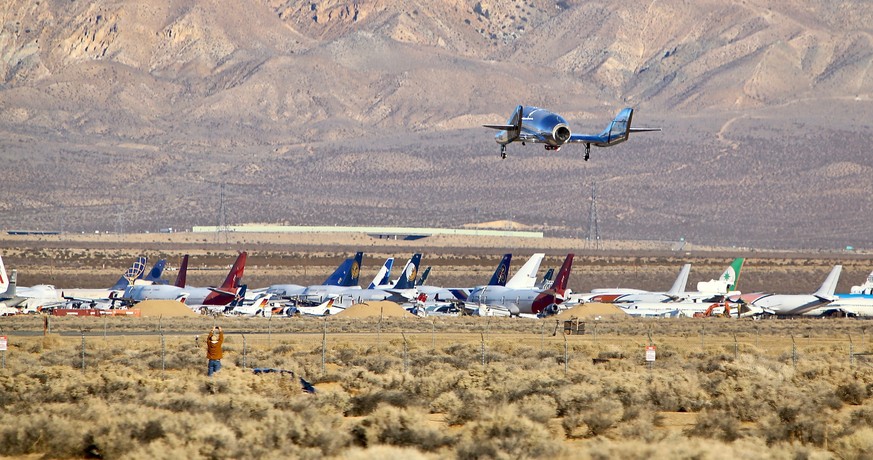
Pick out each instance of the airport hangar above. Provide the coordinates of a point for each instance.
(394, 233)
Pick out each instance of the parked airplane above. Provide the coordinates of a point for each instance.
(526, 300)
(338, 282)
(257, 308)
(619, 295)
(533, 124)
(23, 299)
(792, 304)
(857, 303)
(401, 290)
(223, 295)
(128, 277)
(342, 276)
(438, 295)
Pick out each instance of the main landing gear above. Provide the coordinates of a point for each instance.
(503, 152)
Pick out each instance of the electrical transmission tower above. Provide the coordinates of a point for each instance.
(221, 226)
(593, 224)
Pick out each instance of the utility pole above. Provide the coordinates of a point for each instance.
(593, 224)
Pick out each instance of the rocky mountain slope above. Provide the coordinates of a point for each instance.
(133, 114)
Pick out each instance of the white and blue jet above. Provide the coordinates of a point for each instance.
(533, 124)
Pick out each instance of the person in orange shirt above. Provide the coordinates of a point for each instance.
(213, 350)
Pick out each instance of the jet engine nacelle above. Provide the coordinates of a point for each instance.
(561, 134)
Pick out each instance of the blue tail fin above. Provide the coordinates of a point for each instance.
(354, 272)
(499, 277)
(546, 282)
(383, 277)
(347, 273)
(423, 278)
(337, 276)
(410, 272)
(155, 274)
(132, 273)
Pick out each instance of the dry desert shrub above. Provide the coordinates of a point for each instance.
(504, 433)
(400, 427)
(855, 446)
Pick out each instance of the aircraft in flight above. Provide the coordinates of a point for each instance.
(533, 124)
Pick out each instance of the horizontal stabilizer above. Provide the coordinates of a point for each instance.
(500, 127)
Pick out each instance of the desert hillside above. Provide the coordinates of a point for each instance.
(142, 115)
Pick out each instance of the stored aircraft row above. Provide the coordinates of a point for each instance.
(523, 294)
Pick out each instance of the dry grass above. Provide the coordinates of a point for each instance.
(430, 395)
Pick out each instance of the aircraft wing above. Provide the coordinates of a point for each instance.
(222, 291)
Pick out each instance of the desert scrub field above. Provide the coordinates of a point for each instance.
(465, 388)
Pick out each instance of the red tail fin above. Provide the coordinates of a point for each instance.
(560, 284)
(236, 273)
(182, 276)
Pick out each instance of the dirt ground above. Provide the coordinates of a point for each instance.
(91, 260)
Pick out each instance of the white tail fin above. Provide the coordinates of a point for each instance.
(4, 280)
(678, 288)
(826, 291)
(526, 277)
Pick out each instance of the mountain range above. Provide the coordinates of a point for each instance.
(134, 116)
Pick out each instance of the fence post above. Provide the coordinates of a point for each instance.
(405, 353)
(433, 334)
(163, 356)
(104, 326)
(793, 352)
(703, 338)
(83, 349)
(851, 351)
(244, 350)
(270, 332)
(566, 356)
(736, 348)
(483, 348)
(543, 337)
(324, 348)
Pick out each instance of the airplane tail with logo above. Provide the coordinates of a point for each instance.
(354, 271)
(826, 291)
(155, 274)
(732, 274)
(499, 276)
(546, 282)
(383, 277)
(182, 276)
(133, 273)
(726, 283)
(409, 273)
(337, 276)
